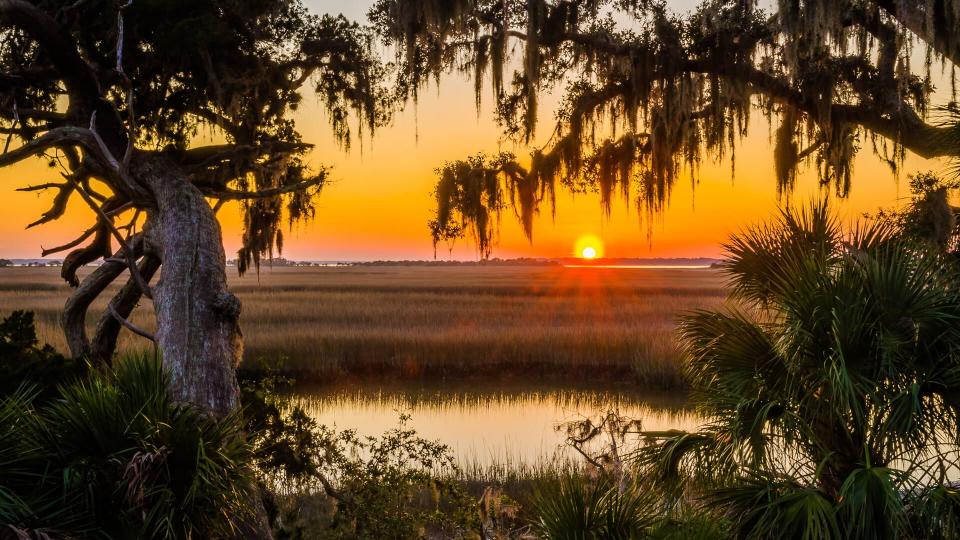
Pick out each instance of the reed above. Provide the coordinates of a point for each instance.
(504, 322)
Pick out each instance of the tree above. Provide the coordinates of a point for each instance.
(120, 97)
(647, 92)
(929, 217)
(831, 392)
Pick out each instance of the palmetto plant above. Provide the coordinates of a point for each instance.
(577, 508)
(114, 456)
(833, 389)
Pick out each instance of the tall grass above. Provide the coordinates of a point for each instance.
(322, 323)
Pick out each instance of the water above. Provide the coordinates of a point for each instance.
(489, 426)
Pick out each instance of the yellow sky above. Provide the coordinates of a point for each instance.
(380, 200)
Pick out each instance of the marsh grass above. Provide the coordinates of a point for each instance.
(543, 322)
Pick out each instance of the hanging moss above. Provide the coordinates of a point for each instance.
(648, 94)
(786, 152)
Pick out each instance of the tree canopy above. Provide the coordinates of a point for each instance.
(647, 92)
(93, 84)
(154, 111)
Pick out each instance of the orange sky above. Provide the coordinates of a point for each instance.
(380, 200)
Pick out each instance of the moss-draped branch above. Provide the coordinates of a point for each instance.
(106, 90)
(70, 90)
(648, 93)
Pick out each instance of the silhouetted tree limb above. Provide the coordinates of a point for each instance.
(119, 309)
(830, 74)
(74, 315)
(117, 96)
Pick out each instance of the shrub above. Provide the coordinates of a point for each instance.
(577, 508)
(833, 393)
(23, 361)
(113, 455)
(340, 485)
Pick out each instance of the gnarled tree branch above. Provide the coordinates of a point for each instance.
(62, 136)
(233, 195)
(74, 314)
(118, 313)
(125, 247)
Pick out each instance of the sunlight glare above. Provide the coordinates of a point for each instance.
(588, 247)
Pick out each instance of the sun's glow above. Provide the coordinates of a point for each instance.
(588, 246)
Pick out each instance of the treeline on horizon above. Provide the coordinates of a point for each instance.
(520, 261)
(558, 261)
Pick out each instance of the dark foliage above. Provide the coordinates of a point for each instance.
(831, 393)
(162, 76)
(23, 362)
(339, 485)
(649, 92)
(930, 217)
(113, 456)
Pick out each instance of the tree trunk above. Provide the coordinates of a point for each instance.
(197, 317)
(197, 329)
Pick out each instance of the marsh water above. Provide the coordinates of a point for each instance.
(489, 427)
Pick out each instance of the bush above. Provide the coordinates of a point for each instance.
(23, 361)
(112, 455)
(109, 454)
(832, 391)
(340, 485)
(577, 508)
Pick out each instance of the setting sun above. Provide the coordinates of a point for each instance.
(588, 246)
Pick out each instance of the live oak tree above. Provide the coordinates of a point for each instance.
(646, 92)
(154, 113)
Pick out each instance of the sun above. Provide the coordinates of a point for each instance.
(588, 247)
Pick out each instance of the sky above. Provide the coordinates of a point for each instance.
(380, 196)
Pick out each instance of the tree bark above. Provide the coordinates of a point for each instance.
(108, 328)
(197, 317)
(73, 319)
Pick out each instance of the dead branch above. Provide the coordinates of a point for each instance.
(125, 247)
(86, 234)
(233, 195)
(102, 146)
(131, 117)
(129, 325)
(67, 135)
(99, 247)
(42, 187)
(57, 208)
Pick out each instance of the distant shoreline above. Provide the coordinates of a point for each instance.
(569, 262)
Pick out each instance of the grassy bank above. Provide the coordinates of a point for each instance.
(321, 323)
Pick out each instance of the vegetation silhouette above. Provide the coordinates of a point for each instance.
(646, 92)
(109, 454)
(832, 392)
(827, 396)
(120, 99)
(112, 455)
